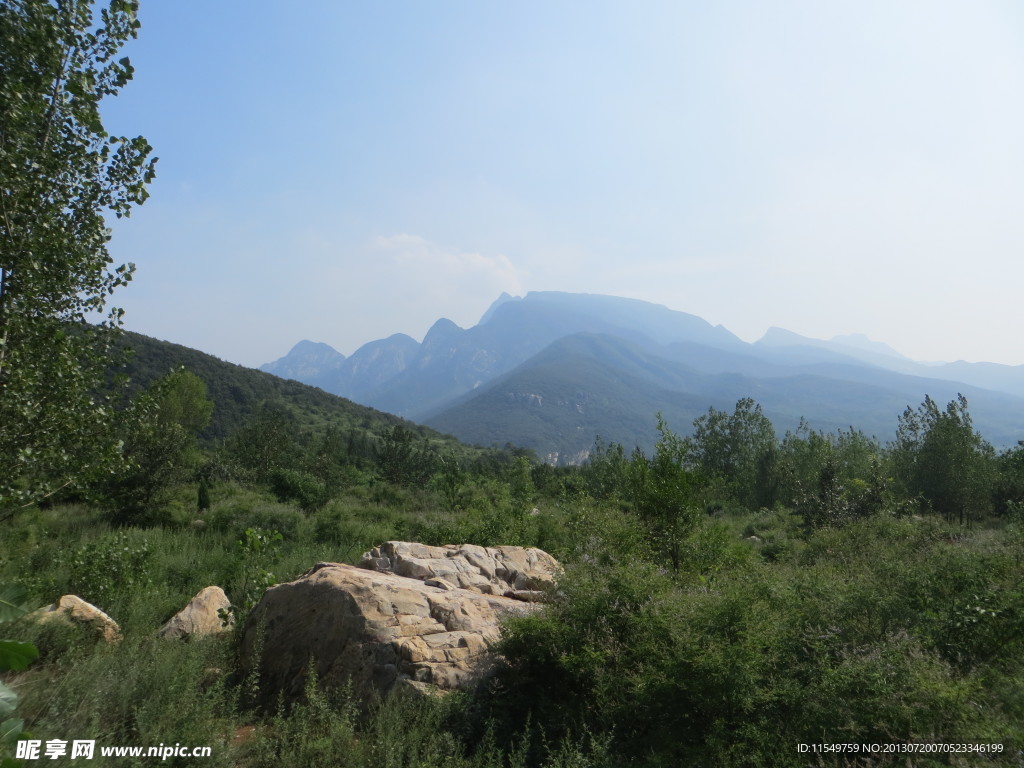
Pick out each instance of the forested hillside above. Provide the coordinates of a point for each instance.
(237, 391)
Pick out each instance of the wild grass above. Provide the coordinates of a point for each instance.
(771, 633)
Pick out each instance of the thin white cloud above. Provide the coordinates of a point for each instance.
(400, 283)
(446, 272)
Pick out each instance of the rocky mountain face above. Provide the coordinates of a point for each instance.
(414, 380)
(550, 371)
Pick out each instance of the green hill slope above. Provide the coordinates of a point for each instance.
(586, 385)
(237, 391)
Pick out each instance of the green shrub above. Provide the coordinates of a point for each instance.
(301, 487)
(14, 656)
(237, 514)
(355, 527)
(258, 551)
(883, 630)
(102, 570)
(144, 691)
(573, 666)
(777, 534)
(390, 495)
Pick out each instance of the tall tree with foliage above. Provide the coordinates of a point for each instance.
(940, 459)
(1008, 490)
(831, 477)
(607, 470)
(665, 493)
(404, 460)
(735, 448)
(160, 445)
(61, 173)
(269, 440)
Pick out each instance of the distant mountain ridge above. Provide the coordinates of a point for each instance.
(855, 345)
(551, 370)
(399, 375)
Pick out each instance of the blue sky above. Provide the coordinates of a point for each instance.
(342, 171)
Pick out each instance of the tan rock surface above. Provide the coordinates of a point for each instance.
(377, 628)
(488, 570)
(201, 617)
(73, 610)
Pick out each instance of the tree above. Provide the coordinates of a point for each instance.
(665, 493)
(402, 460)
(61, 173)
(160, 445)
(13, 656)
(269, 440)
(735, 448)
(607, 470)
(940, 459)
(520, 484)
(451, 480)
(831, 477)
(1008, 489)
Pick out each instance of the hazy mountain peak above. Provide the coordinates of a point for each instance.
(860, 341)
(306, 360)
(441, 331)
(402, 340)
(780, 337)
(601, 313)
(855, 345)
(503, 299)
(376, 362)
(306, 347)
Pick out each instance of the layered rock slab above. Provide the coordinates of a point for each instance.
(373, 629)
(503, 571)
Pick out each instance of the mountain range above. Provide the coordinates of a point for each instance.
(551, 371)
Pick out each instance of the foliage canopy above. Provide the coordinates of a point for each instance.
(942, 460)
(62, 174)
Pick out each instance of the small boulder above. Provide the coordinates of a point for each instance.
(201, 617)
(74, 611)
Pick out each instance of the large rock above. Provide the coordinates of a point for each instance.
(201, 617)
(378, 629)
(510, 571)
(74, 611)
